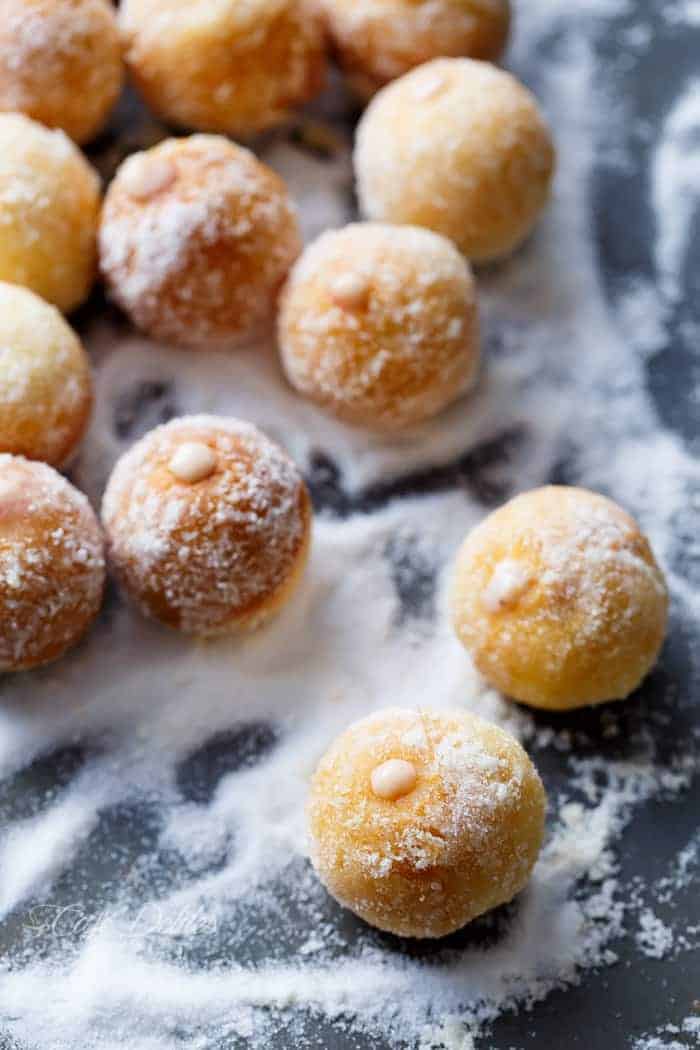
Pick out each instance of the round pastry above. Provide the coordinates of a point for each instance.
(378, 324)
(45, 380)
(60, 63)
(559, 600)
(422, 820)
(237, 68)
(379, 40)
(49, 209)
(51, 564)
(196, 239)
(460, 147)
(208, 524)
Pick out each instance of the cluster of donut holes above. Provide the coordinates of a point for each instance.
(419, 821)
(232, 68)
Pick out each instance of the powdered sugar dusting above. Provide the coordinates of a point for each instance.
(47, 49)
(45, 384)
(196, 239)
(51, 562)
(205, 557)
(379, 324)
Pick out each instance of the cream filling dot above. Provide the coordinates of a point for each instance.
(508, 582)
(146, 176)
(393, 779)
(193, 461)
(349, 290)
(430, 86)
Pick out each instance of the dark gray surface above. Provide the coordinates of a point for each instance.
(609, 1007)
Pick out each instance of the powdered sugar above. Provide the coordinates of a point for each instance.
(676, 177)
(199, 254)
(653, 937)
(379, 324)
(51, 568)
(206, 558)
(45, 386)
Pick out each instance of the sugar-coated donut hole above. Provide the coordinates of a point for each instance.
(559, 600)
(51, 564)
(460, 147)
(60, 63)
(49, 209)
(427, 858)
(230, 67)
(196, 239)
(378, 324)
(377, 41)
(45, 379)
(212, 544)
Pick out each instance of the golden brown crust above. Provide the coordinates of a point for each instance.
(559, 600)
(51, 564)
(218, 555)
(461, 148)
(45, 379)
(196, 239)
(49, 211)
(461, 842)
(60, 63)
(379, 40)
(379, 325)
(232, 68)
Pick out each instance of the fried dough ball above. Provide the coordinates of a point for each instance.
(379, 40)
(51, 564)
(60, 63)
(208, 524)
(460, 147)
(422, 820)
(196, 239)
(49, 209)
(379, 324)
(45, 380)
(559, 600)
(233, 66)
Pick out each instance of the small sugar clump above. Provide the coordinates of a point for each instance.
(379, 40)
(196, 239)
(51, 564)
(45, 379)
(49, 210)
(378, 324)
(559, 600)
(422, 820)
(60, 63)
(208, 524)
(230, 67)
(460, 147)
